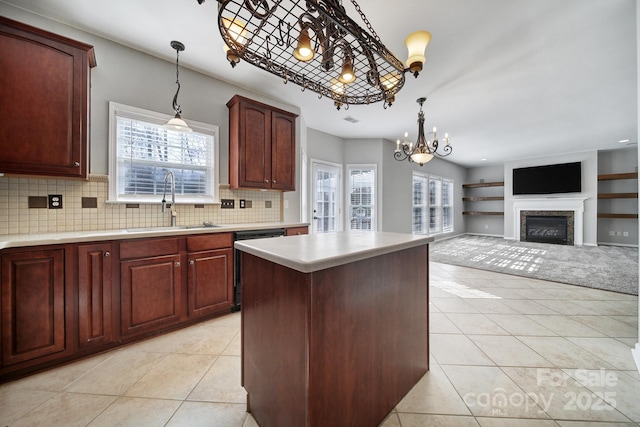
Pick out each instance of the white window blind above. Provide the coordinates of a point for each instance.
(143, 151)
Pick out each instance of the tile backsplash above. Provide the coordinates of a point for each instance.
(79, 214)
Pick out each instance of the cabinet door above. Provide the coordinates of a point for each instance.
(283, 151)
(33, 305)
(150, 294)
(210, 282)
(94, 295)
(45, 81)
(255, 146)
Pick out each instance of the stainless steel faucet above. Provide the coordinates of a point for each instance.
(174, 214)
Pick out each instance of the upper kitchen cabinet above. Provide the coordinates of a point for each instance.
(262, 146)
(44, 102)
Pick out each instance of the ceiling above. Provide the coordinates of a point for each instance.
(507, 79)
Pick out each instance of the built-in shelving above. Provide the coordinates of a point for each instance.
(610, 196)
(615, 176)
(614, 215)
(484, 184)
(483, 198)
(481, 213)
(617, 195)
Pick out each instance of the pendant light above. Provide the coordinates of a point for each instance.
(176, 123)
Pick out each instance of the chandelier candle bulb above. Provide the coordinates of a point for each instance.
(397, 146)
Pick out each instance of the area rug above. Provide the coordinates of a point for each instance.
(611, 268)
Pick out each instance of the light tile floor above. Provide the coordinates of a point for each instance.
(505, 351)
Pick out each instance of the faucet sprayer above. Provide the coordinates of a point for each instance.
(174, 214)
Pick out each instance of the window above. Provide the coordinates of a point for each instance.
(361, 196)
(142, 151)
(432, 204)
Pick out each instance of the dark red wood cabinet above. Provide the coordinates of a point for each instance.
(62, 302)
(150, 285)
(95, 309)
(296, 231)
(33, 306)
(262, 142)
(44, 102)
(210, 274)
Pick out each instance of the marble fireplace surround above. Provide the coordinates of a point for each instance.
(551, 206)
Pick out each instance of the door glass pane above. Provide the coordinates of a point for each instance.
(326, 209)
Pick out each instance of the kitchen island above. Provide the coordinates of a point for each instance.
(334, 326)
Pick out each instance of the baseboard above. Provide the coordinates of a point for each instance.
(636, 355)
(617, 244)
(485, 235)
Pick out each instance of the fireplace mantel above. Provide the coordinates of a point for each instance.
(575, 204)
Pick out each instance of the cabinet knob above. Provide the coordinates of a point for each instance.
(274, 181)
(107, 254)
(192, 262)
(76, 164)
(266, 180)
(177, 263)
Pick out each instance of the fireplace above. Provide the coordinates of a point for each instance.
(546, 229)
(555, 227)
(571, 207)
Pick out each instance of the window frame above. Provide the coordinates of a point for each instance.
(427, 206)
(374, 202)
(122, 110)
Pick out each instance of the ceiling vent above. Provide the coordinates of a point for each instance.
(350, 119)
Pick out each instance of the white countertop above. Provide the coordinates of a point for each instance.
(20, 240)
(313, 252)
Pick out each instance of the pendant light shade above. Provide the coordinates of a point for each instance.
(416, 45)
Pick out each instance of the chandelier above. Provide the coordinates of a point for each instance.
(315, 45)
(424, 150)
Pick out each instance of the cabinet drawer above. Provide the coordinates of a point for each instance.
(294, 231)
(149, 248)
(209, 241)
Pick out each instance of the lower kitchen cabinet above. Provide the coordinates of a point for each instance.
(95, 311)
(150, 294)
(210, 274)
(210, 282)
(33, 306)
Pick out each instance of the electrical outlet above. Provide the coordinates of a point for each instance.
(625, 233)
(242, 204)
(55, 201)
(227, 203)
(612, 233)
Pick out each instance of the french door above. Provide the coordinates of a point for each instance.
(326, 183)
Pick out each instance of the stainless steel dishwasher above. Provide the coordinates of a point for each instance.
(247, 235)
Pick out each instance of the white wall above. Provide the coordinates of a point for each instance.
(589, 161)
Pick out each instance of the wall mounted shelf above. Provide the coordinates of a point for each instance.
(612, 196)
(483, 198)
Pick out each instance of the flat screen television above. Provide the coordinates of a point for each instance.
(548, 179)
